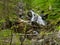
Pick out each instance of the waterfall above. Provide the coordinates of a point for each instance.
(39, 18)
(33, 15)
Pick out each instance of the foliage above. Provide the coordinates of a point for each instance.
(8, 11)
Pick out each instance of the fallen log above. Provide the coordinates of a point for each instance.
(21, 20)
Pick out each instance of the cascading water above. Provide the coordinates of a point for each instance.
(39, 19)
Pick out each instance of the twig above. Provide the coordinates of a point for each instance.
(11, 37)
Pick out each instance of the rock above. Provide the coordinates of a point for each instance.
(58, 34)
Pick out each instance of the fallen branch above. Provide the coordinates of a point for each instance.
(21, 20)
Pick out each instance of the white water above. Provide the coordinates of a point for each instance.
(39, 20)
(35, 32)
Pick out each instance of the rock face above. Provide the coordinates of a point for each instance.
(19, 26)
(58, 35)
(20, 10)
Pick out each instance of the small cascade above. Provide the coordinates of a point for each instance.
(37, 18)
